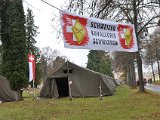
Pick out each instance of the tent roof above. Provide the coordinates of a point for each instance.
(70, 63)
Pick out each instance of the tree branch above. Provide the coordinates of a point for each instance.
(147, 23)
(107, 4)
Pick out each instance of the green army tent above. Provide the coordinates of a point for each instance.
(6, 93)
(78, 81)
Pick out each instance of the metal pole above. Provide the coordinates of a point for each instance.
(69, 84)
(33, 90)
(70, 92)
(33, 84)
(100, 91)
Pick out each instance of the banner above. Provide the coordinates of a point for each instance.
(95, 34)
(32, 67)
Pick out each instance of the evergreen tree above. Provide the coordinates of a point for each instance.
(93, 60)
(99, 61)
(14, 57)
(106, 66)
(31, 33)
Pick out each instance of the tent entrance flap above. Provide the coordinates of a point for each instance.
(62, 86)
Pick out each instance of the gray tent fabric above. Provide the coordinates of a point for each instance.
(117, 82)
(82, 82)
(6, 93)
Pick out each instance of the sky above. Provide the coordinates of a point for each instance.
(44, 15)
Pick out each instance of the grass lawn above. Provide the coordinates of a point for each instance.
(126, 104)
(157, 82)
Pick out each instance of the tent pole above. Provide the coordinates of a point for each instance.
(70, 95)
(100, 91)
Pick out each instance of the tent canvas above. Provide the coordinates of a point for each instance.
(6, 93)
(80, 81)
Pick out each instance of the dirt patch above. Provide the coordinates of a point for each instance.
(155, 116)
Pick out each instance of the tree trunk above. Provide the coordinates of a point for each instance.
(138, 57)
(20, 94)
(153, 72)
(131, 79)
(128, 77)
(140, 73)
(158, 64)
(125, 76)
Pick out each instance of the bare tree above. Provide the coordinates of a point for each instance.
(149, 57)
(57, 63)
(48, 55)
(124, 63)
(50, 61)
(152, 50)
(144, 14)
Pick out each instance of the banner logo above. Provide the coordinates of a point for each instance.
(74, 30)
(126, 36)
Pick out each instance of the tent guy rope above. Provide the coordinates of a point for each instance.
(51, 5)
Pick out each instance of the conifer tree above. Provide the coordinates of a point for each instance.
(14, 56)
(31, 33)
(99, 61)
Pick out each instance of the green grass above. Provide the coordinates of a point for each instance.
(126, 104)
(157, 82)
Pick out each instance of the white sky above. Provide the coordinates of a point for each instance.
(43, 19)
